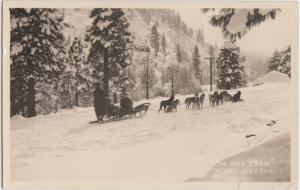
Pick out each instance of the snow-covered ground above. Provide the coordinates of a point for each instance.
(159, 147)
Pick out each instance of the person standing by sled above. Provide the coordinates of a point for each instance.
(99, 102)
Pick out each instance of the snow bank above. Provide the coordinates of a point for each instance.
(271, 77)
(275, 76)
(17, 118)
(258, 81)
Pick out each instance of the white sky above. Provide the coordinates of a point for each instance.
(262, 39)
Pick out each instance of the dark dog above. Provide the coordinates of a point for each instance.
(237, 97)
(173, 106)
(188, 102)
(165, 103)
(214, 99)
(196, 102)
(226, 96)
(220, 99)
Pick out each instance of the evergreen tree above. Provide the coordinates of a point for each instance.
(200, 37)
(281, 61)
(110, 42)
(164, 45)
(245, 18)
(196, 64)
(285, 66)
(148, 81)
(191, 33)
(155, 39)
(178, 54)
(76, 60)
(37, 51)
(231, 72)
(275, 60)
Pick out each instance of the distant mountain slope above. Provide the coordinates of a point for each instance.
(141, 21)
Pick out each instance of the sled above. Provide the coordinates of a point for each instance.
(141, 109)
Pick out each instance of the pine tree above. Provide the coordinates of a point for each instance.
(231, 72)
(253, 17)
(164, 45)
(154, 39)
(196, 64)
(110, 42)
(76, 60)
(200, 37)
(178, 54)
(281, 61)
(37, 51)
(275, 60)
(148, 78)
(285, 66)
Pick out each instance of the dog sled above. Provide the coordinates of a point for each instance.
(124, 112)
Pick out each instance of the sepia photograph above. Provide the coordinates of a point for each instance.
(151, 94)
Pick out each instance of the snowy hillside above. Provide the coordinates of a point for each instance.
(159, 147)
(141, 30)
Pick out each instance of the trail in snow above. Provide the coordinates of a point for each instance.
(159, 147)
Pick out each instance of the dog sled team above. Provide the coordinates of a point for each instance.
(104, 106)
(196, 101)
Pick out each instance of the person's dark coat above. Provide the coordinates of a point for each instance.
(107, 106)
(126, 106)
(99, 102)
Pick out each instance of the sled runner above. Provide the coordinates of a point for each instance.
(124, 114)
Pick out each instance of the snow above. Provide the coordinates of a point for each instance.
(156, 148)
(102, 25)
(264, 11)
(238, 21)
(272, 77)
(275, 76)
(258, 81)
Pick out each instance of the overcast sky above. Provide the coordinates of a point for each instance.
(262, 39)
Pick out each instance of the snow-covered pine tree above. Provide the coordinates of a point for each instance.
(178, 54)
(196, 64)
(281, 61)
(76, 58)
(37, 51)
(285, 66)
(154, 39)
(200, 37)
(149, 81)
(164, 45)
(235, 22)
(110, 44)
(191, 32)
(231, 72)
(275, 60)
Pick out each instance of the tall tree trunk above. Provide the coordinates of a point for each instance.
(106, 73)
(147, 78)
(31, 99)
(76, 86)
(22, 106)
(115, 98)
